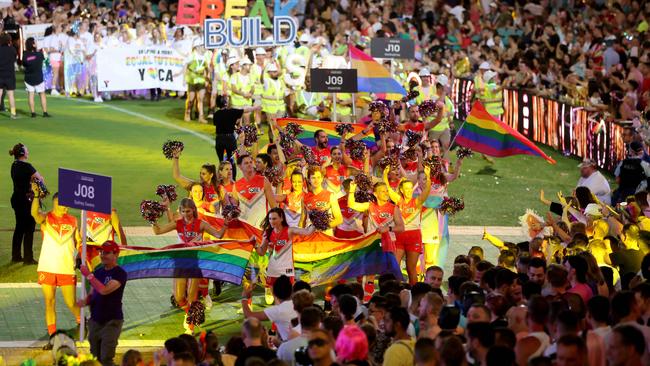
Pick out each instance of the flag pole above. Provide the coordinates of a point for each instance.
(333, 106)
(451, 143)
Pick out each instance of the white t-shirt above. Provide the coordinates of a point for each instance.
(598, 185)
(282, 315)
(287, 350)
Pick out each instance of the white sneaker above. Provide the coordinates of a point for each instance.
(208, 302)
(99, 100)
(55, 92)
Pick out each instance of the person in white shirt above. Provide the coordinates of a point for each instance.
(591, 178)
(310, 319)
(53, 45)
(281, 313)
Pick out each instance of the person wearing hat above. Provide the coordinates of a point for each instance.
(591, 178)
(241, 88)
(196, 74)
(441, 131)
(427, 89)
(491, 94)
(273, 93)
(479, 83)
(105, 301)
(631, 173)
(303, 50)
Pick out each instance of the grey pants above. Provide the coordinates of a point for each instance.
(103, 340)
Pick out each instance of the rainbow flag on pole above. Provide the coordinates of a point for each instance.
(329, 259)
(485, 134)
(310, 126)
(372, 77)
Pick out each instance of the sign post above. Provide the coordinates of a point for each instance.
(84, 191)
(333, 81)
(392, 48)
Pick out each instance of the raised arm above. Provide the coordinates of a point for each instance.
(394, 196)
(427, 187)
(337, 217)
(353, 204)
(184, 182)
(493, 239)
(300, 231)
(117, 226)
(268, 192)
(162, 229)
(38, 215)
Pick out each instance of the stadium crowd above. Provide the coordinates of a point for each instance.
(577, 292)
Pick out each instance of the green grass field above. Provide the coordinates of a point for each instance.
(123, 139)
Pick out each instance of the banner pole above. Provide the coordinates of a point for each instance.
(82, 323)
(354, 107)
(451, 143)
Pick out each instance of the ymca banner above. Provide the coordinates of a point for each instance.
(36, 31)
(140, 67)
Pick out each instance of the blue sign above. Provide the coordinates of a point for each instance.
(85, 191)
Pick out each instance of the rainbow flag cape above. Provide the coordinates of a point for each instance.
(372, 77)
(310, 126)
(224, 260)
(328, 259)
(484, 133)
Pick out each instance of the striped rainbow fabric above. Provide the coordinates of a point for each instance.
(372, 77)
(485, 134)
(311, 126)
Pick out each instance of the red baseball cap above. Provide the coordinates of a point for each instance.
(110, 246)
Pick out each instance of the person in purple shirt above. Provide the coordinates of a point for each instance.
(105, 300)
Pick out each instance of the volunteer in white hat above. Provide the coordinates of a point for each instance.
(492, 95)
(241, 87)
(275, 90)
(479, 82)
(441, 131)
(427, 89)
(257, 71)
(196, 74)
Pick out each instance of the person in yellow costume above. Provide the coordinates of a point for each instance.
(56, 264)
(196, 73)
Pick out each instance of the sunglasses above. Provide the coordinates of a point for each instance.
(318, 342)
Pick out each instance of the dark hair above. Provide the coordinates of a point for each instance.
(193, 344)
(622, 305)
(631, 336)
(176, 345)
(267, 229)
(530, 289)
(584, 196)
(573, 340)
(282, 288)
(241, 158)
(301, 285)
(30, 44)
(556, 275)
(537, 262)
(425, 351)
(449, 317)
(645, 266)
(18, 151)
(184, 356)
(483, 332)
(455, 282)
(500, 356)
(400, 316)
(212, 169)
(452, 351)
(316, 133)
(340, 290)
(504, 277)
(131, 357)
(504, 337)
(348, 306)
(310, 317)
(598, 307)
(538, 309)
(266, 159)
(483, 266)
(333, 324)
(235, 346)
(579, 264)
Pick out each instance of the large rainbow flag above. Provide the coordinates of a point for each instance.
(373, 77)
(311, 126)
(224, 260)
(484, 133)
(328, 259)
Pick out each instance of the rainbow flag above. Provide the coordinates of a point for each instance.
(224, 260)
(485, 134)
(372, 77)
(311, 126)
(328, 259)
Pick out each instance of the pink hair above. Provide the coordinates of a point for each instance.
(351, 344)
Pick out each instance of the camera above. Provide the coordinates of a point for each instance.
(302, 357)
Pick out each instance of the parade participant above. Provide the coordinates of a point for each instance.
(208, 178)
(318, 198)
(337, 172)
(352, 226)
(492, 95)
(258, 69)
(291, 201)
(426, 89)
(7, 71)
(479, 79)
(190, 229)
(274, 92)
(410, 240)
(253, 192)
(278, 236)
(105, 300)
(441, 131)
(33, 64)
(22, 173)
(322, 148)
(241, 88)
(75, 70)
(219, 71)
(225, 177)
(101, 227)
(202, 206)
(56, 264)
(53, 45)
(196, 72)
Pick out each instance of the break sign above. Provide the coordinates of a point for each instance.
(85, 191)
(392, 48)
(333, 80)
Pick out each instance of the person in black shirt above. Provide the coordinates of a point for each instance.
(7, 71)
(252, 331)
(225, 121)
(105, 300)
(33, 64)
(22, 174)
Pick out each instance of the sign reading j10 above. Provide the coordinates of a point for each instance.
(333, 80)
(392, 48)
(85, 191)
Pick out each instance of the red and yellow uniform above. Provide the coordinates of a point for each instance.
(252, 201)
(352, 226)
(189, 231)
(210, 193)
(292, 206)
(322, 155)
(281, 257)
(57, 259)
(334, 177)
(411, 238)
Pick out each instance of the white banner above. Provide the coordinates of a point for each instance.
(140, 67)
(37, 31)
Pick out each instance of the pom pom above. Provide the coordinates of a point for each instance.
(151, 210)
(410, 154)
(309, 156)
(411, 95)
(363, 182)
(170, 146)
(413, 84)
(42, 188)
(435, 165)
(286, 142)
(320, 219)
(250, 134)
(451, 205)
(167, 190)
(342, 129)
(428, 108)
(196, 313)
(363, 196)
(464, 152)
(389, 160)
(385, 126)
(379, 106)
(413, 138)
(293, 129)
(274, 175)
(230, 212)
(357, 149)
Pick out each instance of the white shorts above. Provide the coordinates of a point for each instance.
(40, 88)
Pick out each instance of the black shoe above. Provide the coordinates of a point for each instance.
(46, 115)
(30, 262)
(33, 115)
(16, 260)
(216, 290)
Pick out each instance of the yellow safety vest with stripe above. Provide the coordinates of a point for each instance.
(304, 52)
(196, 68)
(306, 100)
(256, 73)
(244, 84)
(273, 95)
(281, 54)
(492, 99)
(447, 116)
(425, 93)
